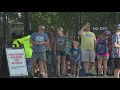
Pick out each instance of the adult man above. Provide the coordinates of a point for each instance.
(24, 42)
(40, 40)
(28, 51)
(16, 39)
(88, 40)
(116, 51)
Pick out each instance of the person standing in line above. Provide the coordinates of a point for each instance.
(28, 51)
(116, 51)
(88, 44)
(51, 55)
(61, 50)
(68, 55)
(110, 70)
(102, 51)
(40, 40)
(76, 59)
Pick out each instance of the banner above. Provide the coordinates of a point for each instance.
(16, 62)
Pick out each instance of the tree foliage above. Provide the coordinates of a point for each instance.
(68, 20)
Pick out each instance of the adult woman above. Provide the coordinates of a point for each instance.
(102, 52)
(51, 55)
(61, 49)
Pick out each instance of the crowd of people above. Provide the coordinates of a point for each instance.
(57, 54)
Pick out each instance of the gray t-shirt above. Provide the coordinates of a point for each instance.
(43, 37)
(60, 43)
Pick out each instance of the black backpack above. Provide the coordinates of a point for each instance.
(20, 45)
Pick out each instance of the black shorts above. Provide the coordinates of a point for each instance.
(60, 53)
(117, 63)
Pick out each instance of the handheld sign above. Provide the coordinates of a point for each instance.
(16, 62)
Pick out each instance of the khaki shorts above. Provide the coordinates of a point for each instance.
(77, 65)
(88, 56)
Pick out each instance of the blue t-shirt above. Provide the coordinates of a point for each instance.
(76, 52)
(37, 37)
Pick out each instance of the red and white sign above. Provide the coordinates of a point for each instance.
(16, 62)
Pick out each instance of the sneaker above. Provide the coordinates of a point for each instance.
(77, 77)
(46, 75)
(43, 75)
(36, 74)
(40, 76)
(73, 75)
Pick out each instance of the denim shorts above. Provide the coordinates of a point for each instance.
(60, 53)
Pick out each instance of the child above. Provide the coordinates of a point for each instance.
(76, 59)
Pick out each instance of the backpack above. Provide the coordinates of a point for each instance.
(102, 47)
(20, 45)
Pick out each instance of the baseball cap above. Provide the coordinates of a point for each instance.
(107, 33)
(118, 27)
